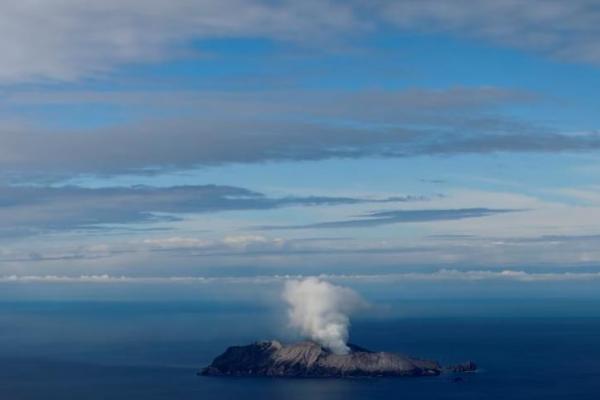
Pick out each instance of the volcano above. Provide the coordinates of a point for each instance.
(310, 360)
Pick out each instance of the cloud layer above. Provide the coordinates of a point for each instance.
(562, 29)
(399, 216)
(67, 40)
(255, 93)
(258, 128)
(25, 210)
(440, 275)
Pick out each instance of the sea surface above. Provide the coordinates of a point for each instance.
(112, 350)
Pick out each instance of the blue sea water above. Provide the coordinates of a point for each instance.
(100, 350)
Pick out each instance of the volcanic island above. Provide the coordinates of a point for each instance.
(309, 359)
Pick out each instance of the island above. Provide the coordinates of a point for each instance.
(310, 360)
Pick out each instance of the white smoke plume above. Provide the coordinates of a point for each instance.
(321, 311)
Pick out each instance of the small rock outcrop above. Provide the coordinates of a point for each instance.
(309, 359)
(468, 366)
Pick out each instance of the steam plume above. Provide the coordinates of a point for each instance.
(321, 311)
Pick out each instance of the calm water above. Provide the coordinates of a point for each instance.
(152, 351)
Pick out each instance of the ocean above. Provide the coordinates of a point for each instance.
(150, 350)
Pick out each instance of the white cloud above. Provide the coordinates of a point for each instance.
(178, 242)
(440, 275)
(71, 39)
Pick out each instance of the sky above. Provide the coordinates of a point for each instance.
(385, 141)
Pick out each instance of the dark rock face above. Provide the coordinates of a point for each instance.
(468, 366)
(308, 359)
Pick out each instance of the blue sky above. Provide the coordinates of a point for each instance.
(244, 138)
